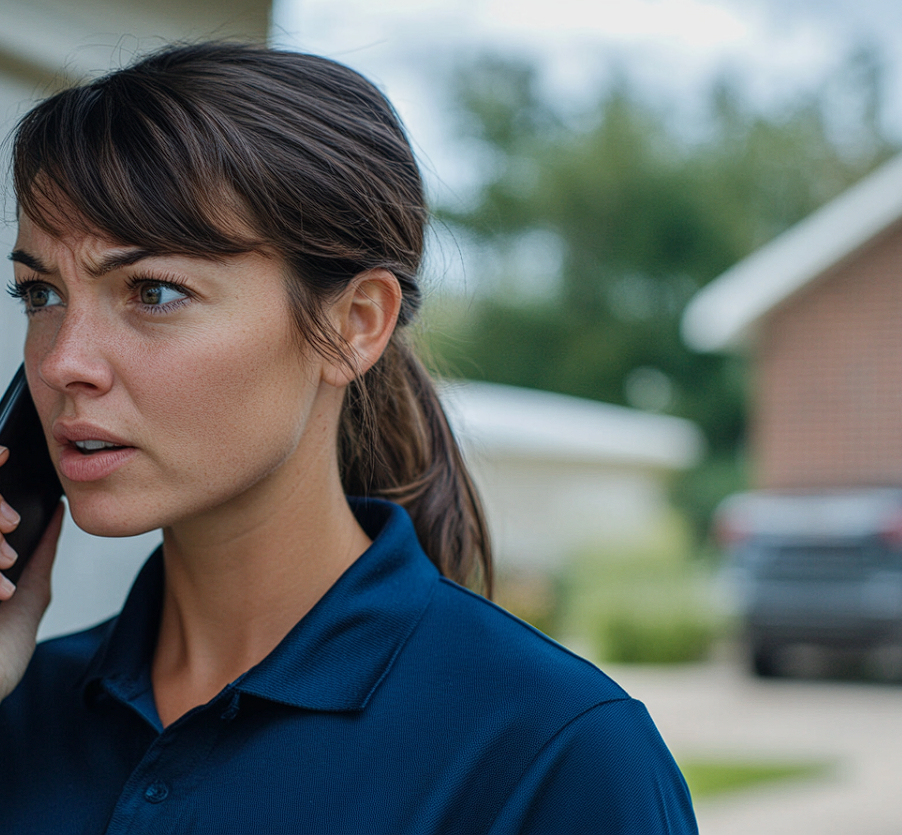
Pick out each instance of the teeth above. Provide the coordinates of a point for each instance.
(91, 446)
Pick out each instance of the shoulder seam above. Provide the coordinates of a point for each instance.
(556, 734)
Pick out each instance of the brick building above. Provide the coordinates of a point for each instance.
(818, 311)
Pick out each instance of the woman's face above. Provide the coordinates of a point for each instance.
(168, 386)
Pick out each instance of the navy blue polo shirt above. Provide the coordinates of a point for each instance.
(401, 703)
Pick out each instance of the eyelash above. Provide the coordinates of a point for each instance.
(21, 290)
(137, 282)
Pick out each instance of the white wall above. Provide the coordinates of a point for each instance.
(542, 511)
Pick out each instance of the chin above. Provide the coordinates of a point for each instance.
(100, 517)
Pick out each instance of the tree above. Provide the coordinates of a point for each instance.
(632, 217)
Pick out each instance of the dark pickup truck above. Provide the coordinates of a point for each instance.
(815, 569)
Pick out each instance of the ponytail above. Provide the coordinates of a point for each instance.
(395, 443)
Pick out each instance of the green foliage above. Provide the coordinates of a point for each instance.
(644, 604)
(672, 637)
(698, 491)
(636, 215)
(707, 778)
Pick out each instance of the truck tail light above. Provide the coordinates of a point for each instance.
(891, 532)
(729, 533)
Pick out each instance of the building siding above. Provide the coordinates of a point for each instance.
(827, 391)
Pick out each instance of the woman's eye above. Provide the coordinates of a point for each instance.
(156, 294)
(42, 297)
(35, 296)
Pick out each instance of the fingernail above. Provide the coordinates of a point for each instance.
(9, 514)
(7, 586)
(9, 552)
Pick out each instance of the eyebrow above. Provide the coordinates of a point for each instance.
(106, 265)
(20, 256)
(122, 259)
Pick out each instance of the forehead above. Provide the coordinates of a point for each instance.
(220, 227)
(43, 251)
(93, 255)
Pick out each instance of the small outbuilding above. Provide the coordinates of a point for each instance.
(560, 473)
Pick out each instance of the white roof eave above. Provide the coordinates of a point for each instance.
(510, 421)
(723, 314)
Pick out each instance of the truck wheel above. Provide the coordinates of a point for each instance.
(763, 661)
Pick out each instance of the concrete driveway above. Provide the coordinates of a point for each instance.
(717, 710)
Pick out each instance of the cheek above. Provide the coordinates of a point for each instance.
(226, 405)
(46, 400)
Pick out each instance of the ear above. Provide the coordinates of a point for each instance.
(365, 315)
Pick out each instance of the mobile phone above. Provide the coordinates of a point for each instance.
(28, 480)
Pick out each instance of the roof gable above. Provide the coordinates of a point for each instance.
(723, 315)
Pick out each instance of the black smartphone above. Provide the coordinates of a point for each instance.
(28, 480)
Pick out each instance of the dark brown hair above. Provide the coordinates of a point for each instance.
(217, 148)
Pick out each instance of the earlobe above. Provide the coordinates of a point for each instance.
(365, 315)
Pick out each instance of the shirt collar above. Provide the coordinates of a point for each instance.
(334, 658)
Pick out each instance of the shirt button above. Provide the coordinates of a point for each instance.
(156, 792)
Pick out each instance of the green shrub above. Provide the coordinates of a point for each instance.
(649, 603)
(678, 637)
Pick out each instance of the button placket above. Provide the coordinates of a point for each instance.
(168, 773)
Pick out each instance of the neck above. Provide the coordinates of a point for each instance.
(239, 578)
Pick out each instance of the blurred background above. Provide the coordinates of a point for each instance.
(664, 294)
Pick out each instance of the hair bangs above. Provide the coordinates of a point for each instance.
(132, 166)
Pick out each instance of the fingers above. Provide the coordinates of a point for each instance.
(21, 614)
(8, 558)
(8, 521)
(32, 594)
(7, 554)
(42, 557)
(7, 588)
(9, 518)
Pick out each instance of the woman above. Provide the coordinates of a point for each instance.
(218, 252)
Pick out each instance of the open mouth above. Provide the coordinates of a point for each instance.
(90, 447)
(84, 459)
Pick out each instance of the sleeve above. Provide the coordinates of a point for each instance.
(606, 772)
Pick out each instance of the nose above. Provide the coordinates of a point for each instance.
(75, 359)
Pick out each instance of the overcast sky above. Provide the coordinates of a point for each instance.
(672, 48)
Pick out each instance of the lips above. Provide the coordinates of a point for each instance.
(92, 446)
(65, 432)
(88, 452)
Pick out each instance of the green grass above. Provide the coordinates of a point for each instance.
(707, 778)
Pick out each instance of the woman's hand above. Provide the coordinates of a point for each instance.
(22, 606)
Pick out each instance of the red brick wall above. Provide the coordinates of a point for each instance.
(827, 399)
